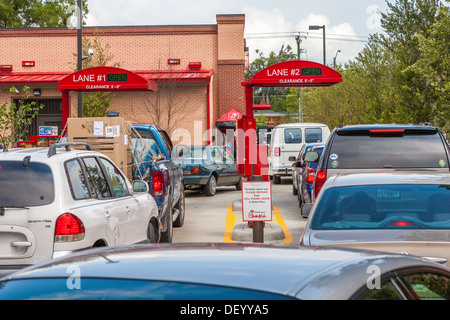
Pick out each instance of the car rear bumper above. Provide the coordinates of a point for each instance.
(286, 171)
(195, 180)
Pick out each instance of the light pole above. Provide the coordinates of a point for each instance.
(318, 28)
(334, 59)
(80, 52)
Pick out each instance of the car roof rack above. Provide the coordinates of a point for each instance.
(66, 145)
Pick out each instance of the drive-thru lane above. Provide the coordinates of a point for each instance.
(212, 219)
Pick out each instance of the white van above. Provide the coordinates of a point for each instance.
(287, 140)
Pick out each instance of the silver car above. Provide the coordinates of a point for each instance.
(404, 212)
(229, 271)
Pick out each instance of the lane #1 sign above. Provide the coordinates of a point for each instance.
(256, 201)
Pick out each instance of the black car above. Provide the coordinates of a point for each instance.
(381, 148)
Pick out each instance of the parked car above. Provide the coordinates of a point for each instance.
(153, 161)
(208, 167)
(229, 271)
(287, 140)
(304, 172)
(380, 148)
(55, 201)
(405, 212)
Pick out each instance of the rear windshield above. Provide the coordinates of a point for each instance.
(402, 151)
(25, 186)
(384, 207)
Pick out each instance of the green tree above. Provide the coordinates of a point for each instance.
(433, 67)
(276, 97)
(15, 119)
(33, 13)
(96, 104)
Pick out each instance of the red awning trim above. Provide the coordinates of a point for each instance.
(16, 78)
(30, 78)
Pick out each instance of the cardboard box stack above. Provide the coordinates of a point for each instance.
(108, 135)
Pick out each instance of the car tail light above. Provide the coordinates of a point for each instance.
(195, 170)
(321, 177)
(158, 183)
(311, 176)
(387, 132)
(277, 152)
(401, 224)
(69, 228)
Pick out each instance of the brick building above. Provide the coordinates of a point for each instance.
(199, 67)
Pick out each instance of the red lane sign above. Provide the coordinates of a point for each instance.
(295, 73)
(105, 79)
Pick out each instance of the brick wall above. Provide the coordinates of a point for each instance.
(218, 47)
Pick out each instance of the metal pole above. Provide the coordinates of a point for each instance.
(80, 52)
(324, 58)
(258, 232)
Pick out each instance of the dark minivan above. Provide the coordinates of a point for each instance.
(381, 148)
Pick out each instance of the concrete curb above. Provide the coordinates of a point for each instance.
(243, 233)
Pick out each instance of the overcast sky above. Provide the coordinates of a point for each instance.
(268, 24)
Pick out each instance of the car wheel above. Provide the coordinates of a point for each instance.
(211, 187)
(276, 179)
(152, 233)
(239, 184)
(300, 199)
(181, 210)
(294, 190)
(167, 235)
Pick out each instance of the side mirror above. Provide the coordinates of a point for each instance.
(311, 156)
(306, 208)
(140, 186)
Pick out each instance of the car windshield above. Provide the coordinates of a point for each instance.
(25, 185)
(195, 155)
(383, 207)
(409, 150)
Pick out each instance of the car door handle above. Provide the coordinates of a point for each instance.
(107, 215)
(128, 210)
(18, 244)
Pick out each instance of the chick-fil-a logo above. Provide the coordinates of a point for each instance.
(253, 215)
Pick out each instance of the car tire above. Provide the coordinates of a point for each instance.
(239, 184)
(276, 179)
(181, 209)
(167, 235)
(211, 187)
(300, 199)
(152, 233)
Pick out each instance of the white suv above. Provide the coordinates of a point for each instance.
(55, 201)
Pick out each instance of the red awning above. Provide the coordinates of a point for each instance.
(232, 115)
(18, 78)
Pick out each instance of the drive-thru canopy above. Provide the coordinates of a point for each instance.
(294, 73)
(109, 79)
